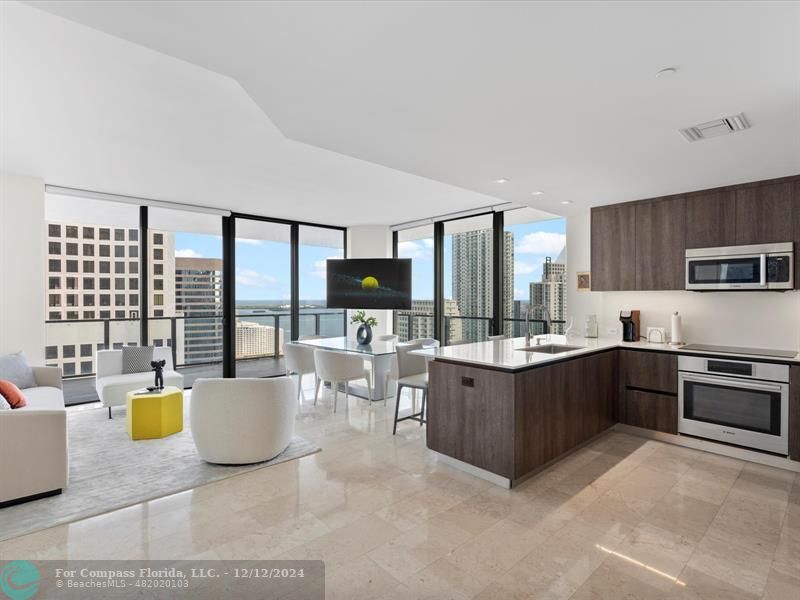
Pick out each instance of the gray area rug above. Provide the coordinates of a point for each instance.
(109, 471)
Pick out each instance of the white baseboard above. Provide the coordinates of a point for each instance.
(713, 447)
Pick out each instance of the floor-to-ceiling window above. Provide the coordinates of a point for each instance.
(185, 289)
(417, 244)
(468, 279)
(263, 296)
(92, 286)
(316, 246)
(535, 270)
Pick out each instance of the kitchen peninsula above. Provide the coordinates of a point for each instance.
(504, 410)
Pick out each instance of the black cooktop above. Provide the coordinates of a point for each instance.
(737, 350)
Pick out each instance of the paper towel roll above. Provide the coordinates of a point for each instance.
(676, 334)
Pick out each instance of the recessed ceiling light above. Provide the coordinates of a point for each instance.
(566, 202)
(537, 193)
(501, 180)
(668, 72)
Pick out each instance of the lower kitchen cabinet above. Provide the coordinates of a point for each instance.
(650, 410)
(513, 423)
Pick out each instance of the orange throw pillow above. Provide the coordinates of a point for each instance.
(12, 394)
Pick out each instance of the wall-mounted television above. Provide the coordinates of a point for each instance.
(377, 283)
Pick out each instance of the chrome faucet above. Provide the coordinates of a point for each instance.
(548, 322)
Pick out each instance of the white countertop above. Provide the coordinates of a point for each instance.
(508, 354)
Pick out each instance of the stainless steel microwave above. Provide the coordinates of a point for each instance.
(756, 267)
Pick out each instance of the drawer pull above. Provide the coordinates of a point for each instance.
(468, 382)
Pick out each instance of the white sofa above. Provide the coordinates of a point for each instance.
(33, 442)
(113, 385)
(242, 421)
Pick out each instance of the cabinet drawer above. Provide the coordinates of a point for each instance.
(654, 371)
(658, 412)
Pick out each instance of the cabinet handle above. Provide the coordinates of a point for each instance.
(468, 382)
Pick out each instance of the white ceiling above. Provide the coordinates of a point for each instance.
(559, 97)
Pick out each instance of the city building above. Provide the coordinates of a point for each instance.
(93, 285)
(472, 279)
(255, 340)
(551, 291)
(418, 322)
(198, 299)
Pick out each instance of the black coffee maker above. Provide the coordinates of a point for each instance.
(630, 325)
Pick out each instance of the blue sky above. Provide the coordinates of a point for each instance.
(262, 271)
(532, 243)
(262, 267)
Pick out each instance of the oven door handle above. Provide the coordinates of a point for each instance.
(763, 270)
(742, 383)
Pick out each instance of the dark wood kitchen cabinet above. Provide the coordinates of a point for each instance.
(513, 423)
(765, 213)
(660, 244)
(613, 247)
(649, 410)
(710, 219)
(656, 375)
(641, 245)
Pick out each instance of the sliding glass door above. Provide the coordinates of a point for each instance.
(316, 246)
(417, 244)
(536, 274)
(185, 289)
(263, 296)
(468, 279)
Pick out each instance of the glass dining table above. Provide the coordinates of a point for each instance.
(379, 353)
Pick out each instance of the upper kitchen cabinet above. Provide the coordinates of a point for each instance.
(710, 219)
(660, 244)
(764, 213)
(613, 247)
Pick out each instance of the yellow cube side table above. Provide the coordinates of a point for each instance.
(155, 414)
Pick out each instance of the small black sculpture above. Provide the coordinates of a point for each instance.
(158, 367)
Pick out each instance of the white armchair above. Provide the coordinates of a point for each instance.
(33, 439)
(242, 421)
(113, 385)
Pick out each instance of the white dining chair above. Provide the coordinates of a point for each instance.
(412, 372)
(391, 373)
(339, 367)
(299, 361)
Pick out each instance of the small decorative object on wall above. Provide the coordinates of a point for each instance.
(158, 367)
(364, 333)
(584, 281)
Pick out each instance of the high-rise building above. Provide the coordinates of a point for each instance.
(255, 340)
(410, 327)
(472, 278)
(93, 276)
(198, 296)
(551, 290)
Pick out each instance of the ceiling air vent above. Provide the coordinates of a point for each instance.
(715, 128)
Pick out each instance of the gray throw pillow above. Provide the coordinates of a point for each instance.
(137, 359)
(15, 368)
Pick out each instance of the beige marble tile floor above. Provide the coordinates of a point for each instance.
(623, 517)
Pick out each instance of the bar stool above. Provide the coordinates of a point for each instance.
(412, 372)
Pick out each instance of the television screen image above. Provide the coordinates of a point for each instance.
(377, 283)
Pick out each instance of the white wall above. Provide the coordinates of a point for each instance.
(22, 285)
(755, 319)
(371, 241)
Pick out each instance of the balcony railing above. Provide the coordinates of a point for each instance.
(478, 328)
(84, 337)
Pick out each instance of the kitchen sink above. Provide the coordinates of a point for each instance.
(550, 348)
